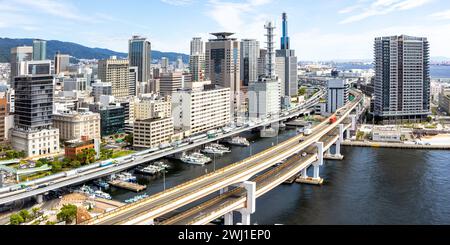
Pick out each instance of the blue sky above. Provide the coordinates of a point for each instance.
(319, 29)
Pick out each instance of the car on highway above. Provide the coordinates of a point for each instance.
(304, 154)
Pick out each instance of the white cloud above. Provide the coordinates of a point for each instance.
(444, 15)
(382, 7)
(178, 2)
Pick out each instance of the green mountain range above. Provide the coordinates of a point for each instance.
(77, 51)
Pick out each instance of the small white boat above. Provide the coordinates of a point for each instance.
(239, 141)
(101, 194)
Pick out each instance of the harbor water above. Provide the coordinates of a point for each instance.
(370, 186)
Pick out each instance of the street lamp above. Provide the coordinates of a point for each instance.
(164, 179)
(214, 162)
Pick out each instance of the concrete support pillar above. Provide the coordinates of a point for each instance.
(228, 219)
(347, 134)
(319, 162)
(40, 198)
(305, 173)
(338, 148)
(353, 117)
(250, 207)
(341, 132)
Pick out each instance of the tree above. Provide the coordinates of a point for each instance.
(302, 91)
(16, 219)
(75, 164)
(68, 213)
(25, 214)
(129, 139)
(35, 212)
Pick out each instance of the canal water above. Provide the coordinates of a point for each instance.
(370, 186)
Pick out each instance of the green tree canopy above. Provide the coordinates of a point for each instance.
(68, 213)
(16, 219)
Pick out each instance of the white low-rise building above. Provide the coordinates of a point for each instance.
(73, 125)
(386, 134)
(151, 133)
(201, 110)
(37, 142)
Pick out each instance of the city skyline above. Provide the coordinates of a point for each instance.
(318, 31)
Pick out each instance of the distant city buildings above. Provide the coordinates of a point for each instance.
(197, 59)
(18, 55)
(170, 82)
(62, 62)
(402, 79)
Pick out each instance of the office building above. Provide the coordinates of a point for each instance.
(337, 94)
(153, 106)
(33, 132)
(170, 82)
(112, 118)
(444, 100)
(134, 73)
(116, 72)
(62, 62)
(249, 61)
(19, 54)
(222, 59)
(35, 67)
(201, 110)
(152, 132)
(39, 49)
(99, 89)
(262, 62)
(3, 115)
(402, 79)
(139, 55)
(164, 65)
(74, 125)
(74, 84)
(197, 67)
(286, 64)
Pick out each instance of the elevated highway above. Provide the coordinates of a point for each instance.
(147, 210)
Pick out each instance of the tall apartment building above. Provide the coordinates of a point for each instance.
(222, 58)
(197, 46)
(444, 100)
(139, 55)
(74, 125)
(153, 107)
(286, 64)
(19, 54)
(201, 110)
(39, 49)
(116, 72)
(62, 62)
(249, 61)
(170, 82)
(402, 79)
(197, 67)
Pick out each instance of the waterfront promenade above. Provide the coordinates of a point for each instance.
(394, 145)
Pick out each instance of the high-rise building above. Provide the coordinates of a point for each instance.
(264, 94)
(75, 84)
(19, 54)
(39, 49)
(35, 67)
(116, 72)
(139, 55)
(402, 79)
(33, 116)
(197, 46)
(197, 67)
(3, 114)
(164, 65)
(249, 61)
(112, 118)
(153, 107)
(170, 82)
(201, 110)
(134, 74)
(262, 62)
(286, 64)
(62, 62)
(222, 59)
